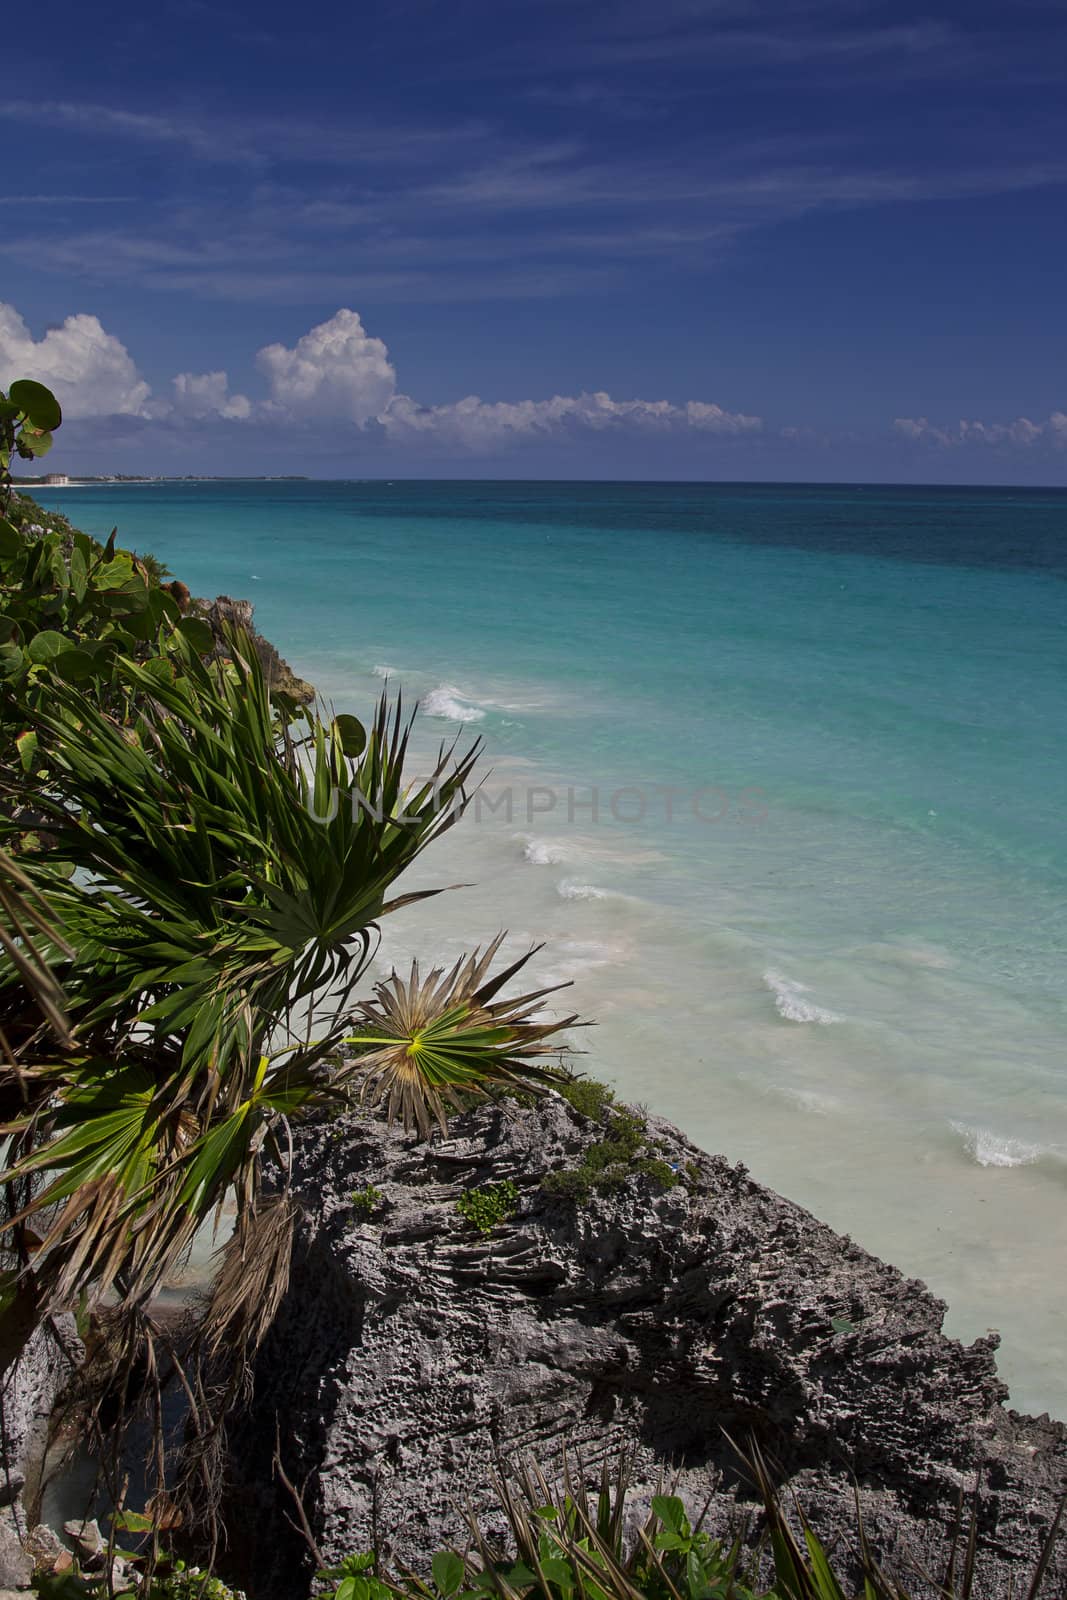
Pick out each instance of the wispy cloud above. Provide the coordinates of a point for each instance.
(67, 200)
(252, 141)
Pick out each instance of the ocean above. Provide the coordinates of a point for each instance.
(777, 774)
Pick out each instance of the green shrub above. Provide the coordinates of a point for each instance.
(365, 1202)
(588, 1097)
(624, 1152)
(487, 1207)
(179, 1583)
(565, 1543)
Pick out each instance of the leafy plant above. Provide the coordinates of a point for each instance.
(178, 1582)
(568, 1545)
(29, 415)
(611, 1161)
(354, 1579)
(213, 907)
(425, 1044)
(365, 1202)
(486, 1208)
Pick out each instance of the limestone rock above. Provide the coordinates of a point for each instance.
(16, 1567)
(409, 1350)
(239, 613)
(28, 1396)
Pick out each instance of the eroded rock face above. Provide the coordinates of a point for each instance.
(28, 1396)
(30, 1390)
(409, 1350)
(239, 613)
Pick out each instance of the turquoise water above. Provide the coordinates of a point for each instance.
(820, 915)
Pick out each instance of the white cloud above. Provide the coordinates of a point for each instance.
(713, 419)
(91, 372)
(207, 394)
(1022, 432)
(335, 373)
(479, 424)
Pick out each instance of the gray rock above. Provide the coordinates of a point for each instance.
(45, 1546)
(86, 1541)
(16, 1567)
(12, 1483)
(28, 1396)
(223, 612)
(409, 1350)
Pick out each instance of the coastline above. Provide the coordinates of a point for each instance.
(934, 939)
(670, 1321)
(776, 1327)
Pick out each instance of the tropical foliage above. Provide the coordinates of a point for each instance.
(565, 1544)
(29, 415)
(217, 862)
(427, 1043)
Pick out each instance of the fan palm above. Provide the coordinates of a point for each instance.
(219, 884)
(424, 1044)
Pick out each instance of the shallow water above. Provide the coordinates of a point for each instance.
(819, 912)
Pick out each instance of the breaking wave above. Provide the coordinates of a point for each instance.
(791, 1002)
(447, 702)
(569, 890)
(544, 852)
(989, 1149)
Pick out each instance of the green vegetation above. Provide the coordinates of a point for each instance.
(365, 1202)
(566, 1545)
(487, 1207)
(29, 415)
(426, 1043)
(193, 881)
(180, 1583)
(622, 1153)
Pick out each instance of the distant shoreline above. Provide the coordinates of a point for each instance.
(23, 484)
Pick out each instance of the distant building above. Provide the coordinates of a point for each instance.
(55, 480)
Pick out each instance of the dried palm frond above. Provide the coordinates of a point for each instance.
(252, 1278)
(424, 1044)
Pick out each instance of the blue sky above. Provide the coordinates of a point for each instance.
(697, 238)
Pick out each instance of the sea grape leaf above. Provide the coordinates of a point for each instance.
(37, 403)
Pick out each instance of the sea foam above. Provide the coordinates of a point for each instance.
(448, 702)
(791, 1003)
(989, 1149)
(543, 852)
(569, 890)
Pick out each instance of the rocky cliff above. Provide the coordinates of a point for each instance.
(224, 612)
(673, 1319)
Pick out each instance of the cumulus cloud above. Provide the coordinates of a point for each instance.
(337, 372)
(1022, 432)
(91, 372)
(336, 375)
(207, 394)
(480, 424)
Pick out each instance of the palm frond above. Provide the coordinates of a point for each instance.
(218, 881)
(424, 1044)
(28, 937)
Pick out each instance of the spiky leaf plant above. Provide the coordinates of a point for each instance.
(219, 883)
(424, 1044)
(565, 1543)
